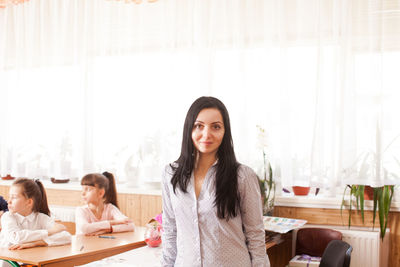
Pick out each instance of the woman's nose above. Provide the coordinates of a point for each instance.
(206, 132)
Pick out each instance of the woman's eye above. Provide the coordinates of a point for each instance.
(217, 127)
(198, 126)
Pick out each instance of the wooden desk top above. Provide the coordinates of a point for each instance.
(94, 248)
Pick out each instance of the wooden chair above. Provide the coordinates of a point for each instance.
(69, 225)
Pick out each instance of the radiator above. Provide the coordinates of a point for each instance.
(63, 213)
(368, 249)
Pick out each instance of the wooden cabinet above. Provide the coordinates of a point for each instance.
(139, 207)
(280, 254)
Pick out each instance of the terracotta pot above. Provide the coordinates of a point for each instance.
(368, 193)
(301, 190)
(8, 177)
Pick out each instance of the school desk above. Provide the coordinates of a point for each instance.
(83, 249)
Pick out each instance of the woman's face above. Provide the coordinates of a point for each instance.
(208, 131)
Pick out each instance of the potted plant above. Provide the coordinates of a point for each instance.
(372, 165)
(382, 200)
(267, 188)
(267, 183)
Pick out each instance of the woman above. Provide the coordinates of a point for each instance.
(212, 214)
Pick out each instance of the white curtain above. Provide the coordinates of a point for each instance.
(93, 85)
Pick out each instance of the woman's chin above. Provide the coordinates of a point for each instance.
(208, 151)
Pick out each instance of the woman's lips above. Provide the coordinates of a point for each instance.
(206, 143)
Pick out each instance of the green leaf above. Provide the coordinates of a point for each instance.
(343, 204)
(387, 199)
(376, 194)
(350, 207)
(361, 195)
(381, 209)
(357, 196)
(390, 203)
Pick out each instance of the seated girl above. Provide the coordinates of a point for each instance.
(100, 215)
(27, 223)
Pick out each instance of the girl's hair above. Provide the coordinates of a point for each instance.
(104, 181)
(226, 182)
(34, 189)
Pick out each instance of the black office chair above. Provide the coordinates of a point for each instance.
(336, 254)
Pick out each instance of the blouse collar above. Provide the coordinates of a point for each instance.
(20, 218)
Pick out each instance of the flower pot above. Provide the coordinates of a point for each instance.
(368, 193)
(301, 190)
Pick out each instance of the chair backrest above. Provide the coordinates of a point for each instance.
(69, 225)
(313, 241)
(336, 254)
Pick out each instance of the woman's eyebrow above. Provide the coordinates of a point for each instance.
(215, 122)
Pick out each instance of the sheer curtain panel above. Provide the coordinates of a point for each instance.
(105, 85)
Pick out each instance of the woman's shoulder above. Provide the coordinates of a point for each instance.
(169, 170)
(171, 166)
(245, 173)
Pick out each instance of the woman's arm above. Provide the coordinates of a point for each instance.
(169, 224)
(83, 226)
(252, 218)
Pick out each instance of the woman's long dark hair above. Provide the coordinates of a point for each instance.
(34, 189)
(104, 181)
(226, 182)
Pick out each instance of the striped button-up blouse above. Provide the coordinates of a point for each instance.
(195, 236)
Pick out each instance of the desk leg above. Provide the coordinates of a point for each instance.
(281, 254)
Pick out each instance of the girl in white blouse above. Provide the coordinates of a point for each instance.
(212, 214)
(27, 223)
(101, 214)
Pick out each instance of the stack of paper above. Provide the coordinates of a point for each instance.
(282, 225)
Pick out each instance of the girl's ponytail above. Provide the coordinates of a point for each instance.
(42, 206)
(111, 193)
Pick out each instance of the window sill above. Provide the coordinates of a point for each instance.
(322, 202)
(76, 186)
